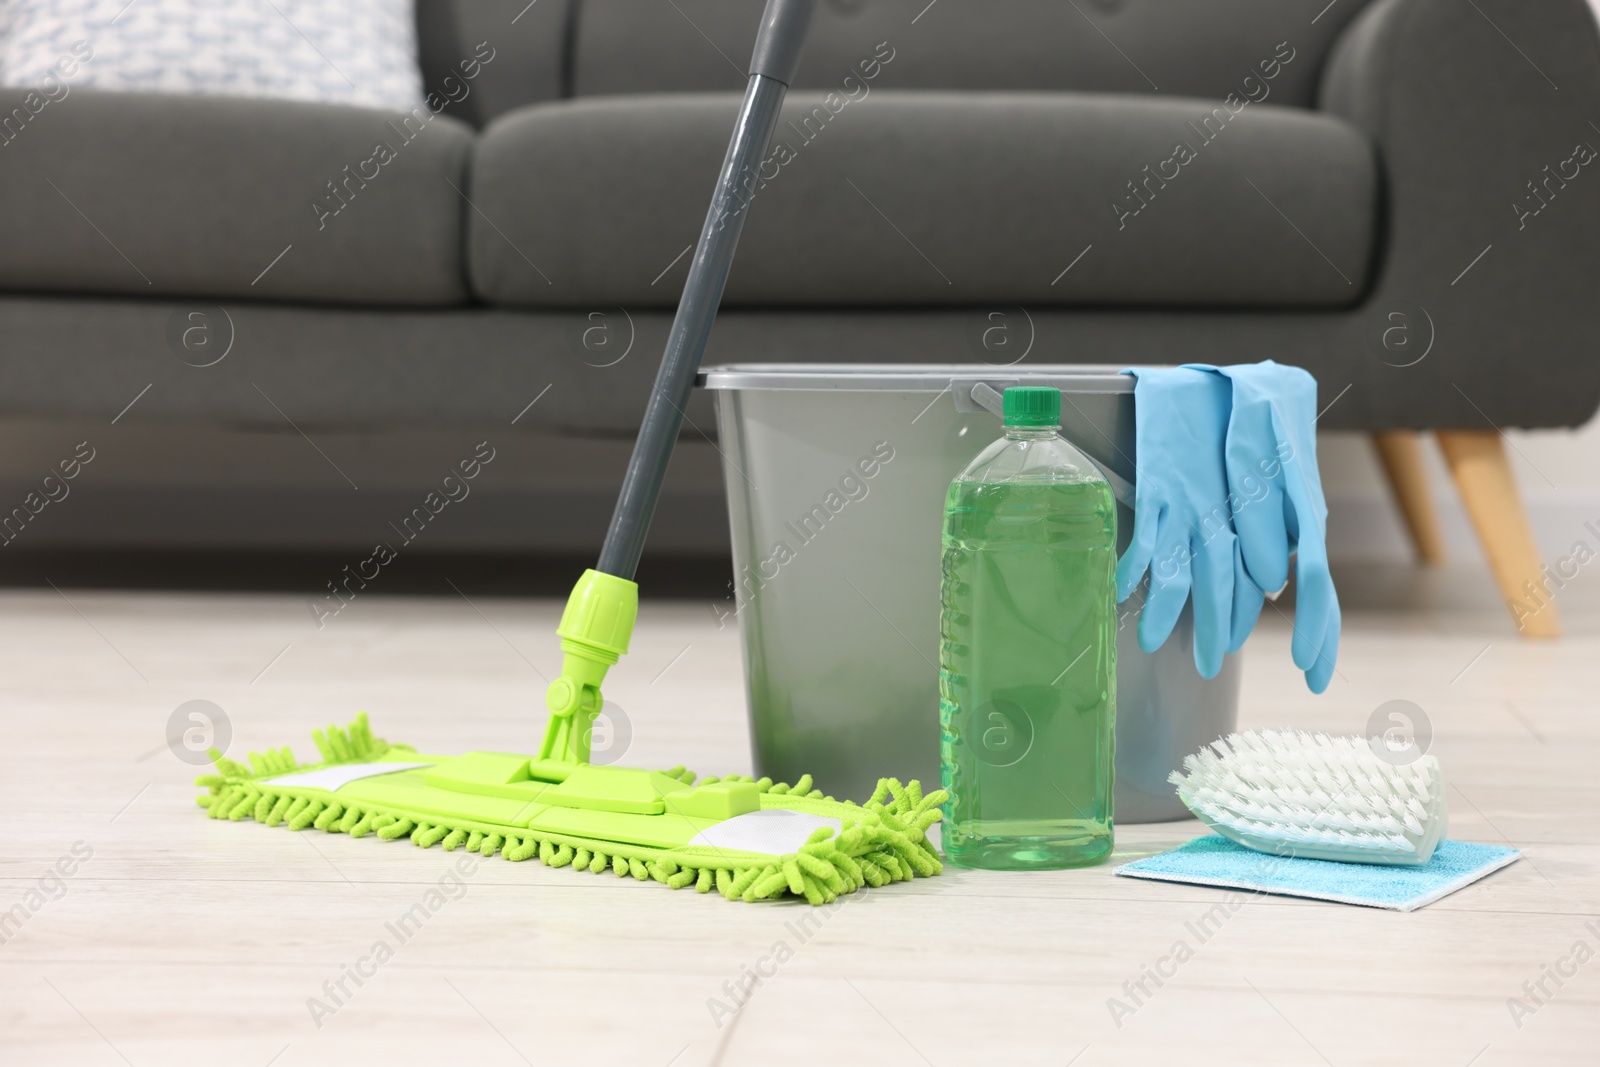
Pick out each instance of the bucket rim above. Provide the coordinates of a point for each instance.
(909, 377)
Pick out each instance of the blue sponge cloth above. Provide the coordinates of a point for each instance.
(1215, 860)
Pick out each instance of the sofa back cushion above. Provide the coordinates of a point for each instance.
(139, 194)
(489, 56)
(519, 53)
(597, 202)
(1204, 48)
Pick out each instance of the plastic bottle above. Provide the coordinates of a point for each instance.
(1028, 651)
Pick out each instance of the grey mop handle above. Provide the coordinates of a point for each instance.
(772, 67)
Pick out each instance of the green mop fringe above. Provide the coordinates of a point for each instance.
(880, 842)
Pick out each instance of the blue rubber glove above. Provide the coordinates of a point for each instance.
(1183, 530)
(1279, 507)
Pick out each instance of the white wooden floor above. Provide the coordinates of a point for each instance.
(185, 941)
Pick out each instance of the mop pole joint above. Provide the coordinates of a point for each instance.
(595, 629)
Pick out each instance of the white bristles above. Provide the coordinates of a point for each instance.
(1302, 794)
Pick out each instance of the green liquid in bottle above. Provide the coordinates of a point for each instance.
(1028, 658)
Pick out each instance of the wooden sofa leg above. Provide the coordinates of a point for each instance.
(1400, 452)
(1482, 473)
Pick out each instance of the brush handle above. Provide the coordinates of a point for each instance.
(777, 51)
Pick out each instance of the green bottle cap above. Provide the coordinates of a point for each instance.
(1032, 406)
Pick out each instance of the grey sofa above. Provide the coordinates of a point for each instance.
(1391, 194)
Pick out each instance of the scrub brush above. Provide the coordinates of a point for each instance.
(1317, 797)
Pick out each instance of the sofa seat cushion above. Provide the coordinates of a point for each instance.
(208, 196)
(931, 198)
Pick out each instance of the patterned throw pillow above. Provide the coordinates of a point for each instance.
(356, 52)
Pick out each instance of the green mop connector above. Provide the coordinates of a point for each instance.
(595, 629)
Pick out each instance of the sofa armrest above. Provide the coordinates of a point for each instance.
(1484, 115)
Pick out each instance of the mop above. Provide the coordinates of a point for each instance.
(749, 839)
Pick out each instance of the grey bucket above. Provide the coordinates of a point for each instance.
(836, 570)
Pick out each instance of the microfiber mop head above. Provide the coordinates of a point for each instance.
(751, 840)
